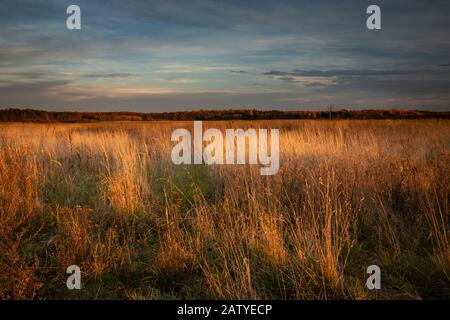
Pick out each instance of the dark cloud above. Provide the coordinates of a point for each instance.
(400, 87)
(276, 73)
(32, 87)
(239, 71)
(31, 75)
(402, 83)
(287, 78)
(107, 75)
(31, 95)
(336, 73)
(315, 84)
(45, 75)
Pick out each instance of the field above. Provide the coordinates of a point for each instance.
(106, 197)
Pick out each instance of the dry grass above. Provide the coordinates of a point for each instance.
(107, 198)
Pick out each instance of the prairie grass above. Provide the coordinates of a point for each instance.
(106, 197)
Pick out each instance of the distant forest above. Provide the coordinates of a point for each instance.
(29, 115)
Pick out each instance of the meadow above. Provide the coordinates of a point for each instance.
(106, 197)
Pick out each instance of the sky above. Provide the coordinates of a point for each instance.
(165, 55)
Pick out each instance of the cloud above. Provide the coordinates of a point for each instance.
(315, 84)
(107, 75)
(287, 78)
(160, 54)
(402, 83)
(32, 87)
(337, 73)
(400, 87)
(34, 94)
(239, 71)
(42, 74)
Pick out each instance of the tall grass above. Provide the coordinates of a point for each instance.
(106, 197)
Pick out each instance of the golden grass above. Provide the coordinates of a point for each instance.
(107, 198)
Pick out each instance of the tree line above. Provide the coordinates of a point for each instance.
(30, 115)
